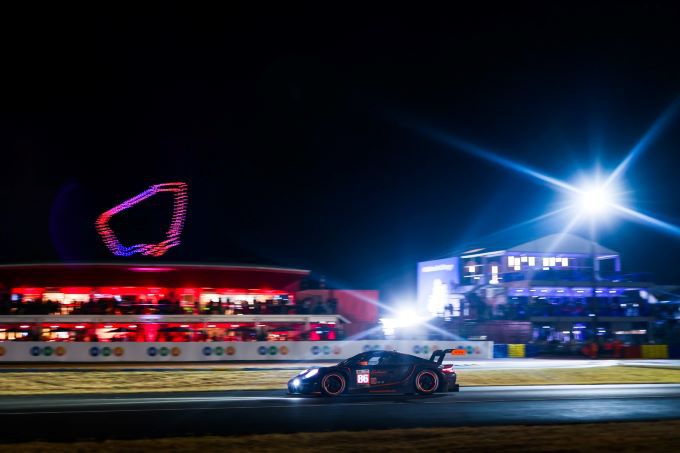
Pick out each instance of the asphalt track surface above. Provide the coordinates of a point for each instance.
(69, 417)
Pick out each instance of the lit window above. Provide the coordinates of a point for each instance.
(546, 262)
(456, 307)
(552, 262)
(532, 261)
(518, 267)
(471, 269)
(523, 259)
(511, 261)
(494, 275)
(565, 262)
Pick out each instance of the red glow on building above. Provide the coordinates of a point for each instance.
(115, 302)
(152, 269)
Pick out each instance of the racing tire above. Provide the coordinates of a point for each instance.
(427, 382)
(333, 384)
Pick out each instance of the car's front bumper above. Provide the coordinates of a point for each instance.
(298, 386)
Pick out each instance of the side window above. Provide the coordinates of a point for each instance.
(369, 358)
(361, 359)
(395, 359)
(374, 360)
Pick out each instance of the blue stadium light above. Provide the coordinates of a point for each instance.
(591, 201)
(595, 200)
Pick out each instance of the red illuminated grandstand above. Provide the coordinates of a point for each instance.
(172, 302)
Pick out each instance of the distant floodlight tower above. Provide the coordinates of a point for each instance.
(594, 202)
(179, 193)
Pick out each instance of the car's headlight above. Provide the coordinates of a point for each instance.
(296, 382)
(311, 373)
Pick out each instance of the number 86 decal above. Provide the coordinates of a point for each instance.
(363, 377)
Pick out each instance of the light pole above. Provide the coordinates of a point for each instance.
(594, 278)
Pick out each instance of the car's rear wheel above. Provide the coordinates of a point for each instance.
(427, 382)
(333, 384)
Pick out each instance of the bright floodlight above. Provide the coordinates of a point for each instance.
(404, 319)
(595, 200)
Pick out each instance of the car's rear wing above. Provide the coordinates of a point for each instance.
(438, 355)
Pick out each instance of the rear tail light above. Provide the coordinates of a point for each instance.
(448, 369)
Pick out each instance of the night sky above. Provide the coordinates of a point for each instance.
(301, 135)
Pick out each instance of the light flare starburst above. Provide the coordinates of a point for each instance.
(597, 196)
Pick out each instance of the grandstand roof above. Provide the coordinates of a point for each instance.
(562, 243)
(138, 274)
(553, 243)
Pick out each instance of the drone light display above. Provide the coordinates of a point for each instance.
(179, 193)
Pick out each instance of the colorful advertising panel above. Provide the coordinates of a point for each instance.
(335, 351)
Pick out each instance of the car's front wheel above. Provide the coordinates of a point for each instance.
(427, 382)
(333, 384)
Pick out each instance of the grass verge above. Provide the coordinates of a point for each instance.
(638, 436)
(219, 380)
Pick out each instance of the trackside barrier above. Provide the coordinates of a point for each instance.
(500, 351)
(532, 350)
(516, 351)
(674, 351)
(632, 352)
(648, 351)
(654, 351)
(36, 351)
(504, 351)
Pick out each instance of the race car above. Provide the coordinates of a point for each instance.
(378, 372)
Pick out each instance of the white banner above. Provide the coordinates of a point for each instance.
(36, 351)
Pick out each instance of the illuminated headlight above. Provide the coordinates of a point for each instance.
(311, 373)
(296, 382)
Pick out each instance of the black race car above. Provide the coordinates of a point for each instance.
(378, 372)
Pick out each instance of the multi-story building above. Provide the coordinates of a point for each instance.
(559, 288)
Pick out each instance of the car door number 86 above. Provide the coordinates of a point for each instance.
(363, 377)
